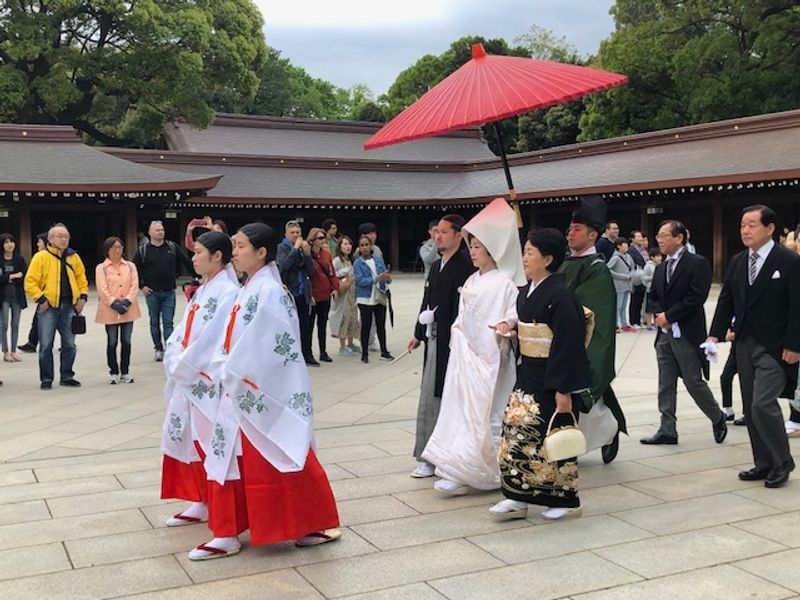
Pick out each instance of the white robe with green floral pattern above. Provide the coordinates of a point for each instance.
(192, 399)
(266, 391)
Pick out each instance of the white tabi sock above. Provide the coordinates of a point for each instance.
(197, 510)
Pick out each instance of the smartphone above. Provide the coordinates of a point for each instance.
(198, 223)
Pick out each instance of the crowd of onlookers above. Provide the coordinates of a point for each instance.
(340, 284)
(632, 263)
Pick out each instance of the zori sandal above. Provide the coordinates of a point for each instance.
(180, 519)
(319, 537)
(206, 552)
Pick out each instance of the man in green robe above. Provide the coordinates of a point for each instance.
(589, 279)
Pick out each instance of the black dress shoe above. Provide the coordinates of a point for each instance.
(325, 358)
(312, 363)
(29, 348)
(778, 476)
(754, 474)
(365, 358)
(730, 417)
(720, 431)
(70, 383)
(740, 422)
(609, 451)
(660, 438)
(46, 385)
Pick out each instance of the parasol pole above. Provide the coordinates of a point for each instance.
(511, 191)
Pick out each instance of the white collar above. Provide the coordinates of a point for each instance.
(588, 252)
(764, 250)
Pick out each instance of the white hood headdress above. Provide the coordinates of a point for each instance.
(496, 228)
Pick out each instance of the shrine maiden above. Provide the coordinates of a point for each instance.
(264, 473)
(191, 397)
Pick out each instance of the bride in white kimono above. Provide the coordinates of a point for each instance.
(481, 371)
(263, 471)
(191, 399)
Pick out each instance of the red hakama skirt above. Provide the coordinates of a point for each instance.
(184, 481)
(275, 506)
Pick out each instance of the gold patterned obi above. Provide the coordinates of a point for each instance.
(535, 339)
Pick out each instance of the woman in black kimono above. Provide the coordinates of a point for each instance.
(550, 375)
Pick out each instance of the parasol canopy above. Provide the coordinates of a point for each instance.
(490, 88)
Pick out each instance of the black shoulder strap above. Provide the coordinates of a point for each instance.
(63, 257)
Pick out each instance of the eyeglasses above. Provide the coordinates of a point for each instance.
(61, 235)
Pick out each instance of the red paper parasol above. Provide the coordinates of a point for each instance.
(489, 88)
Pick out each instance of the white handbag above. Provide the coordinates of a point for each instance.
(563, 442)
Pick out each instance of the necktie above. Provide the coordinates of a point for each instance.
(670, 268)
(753, 265)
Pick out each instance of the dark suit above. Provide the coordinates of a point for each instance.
(681, 300)
(637, 295)
(767, 322)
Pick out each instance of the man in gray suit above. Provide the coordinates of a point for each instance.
(680, 288)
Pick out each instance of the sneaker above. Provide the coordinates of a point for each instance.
(70, 383)
(346, 350)
(159, 356)
(387, 356)
(29, 348)
(125, 378)
(375, 347)
(629, 329)
(423, 470)
(355, 348)
(792, 428)
(46, 385)
(114, 380)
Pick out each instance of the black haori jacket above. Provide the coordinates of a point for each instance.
(442, 291)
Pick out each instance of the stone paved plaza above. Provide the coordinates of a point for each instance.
(80, 515)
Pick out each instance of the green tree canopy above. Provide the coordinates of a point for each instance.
(286, 90)
(118, 70)
(696, 62)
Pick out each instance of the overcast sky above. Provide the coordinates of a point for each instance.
(370, 41)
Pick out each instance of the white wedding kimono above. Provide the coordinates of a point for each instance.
(480, 377)
(191, 399)
(265, 388)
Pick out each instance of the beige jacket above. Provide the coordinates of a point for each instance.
(116, 282)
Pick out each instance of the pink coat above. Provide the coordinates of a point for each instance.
(116, 282)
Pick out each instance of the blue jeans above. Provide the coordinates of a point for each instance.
(622, 309)
(161, 307)
(6, 309)
(56, 319)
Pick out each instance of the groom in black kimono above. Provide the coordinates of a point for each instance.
(442, 293)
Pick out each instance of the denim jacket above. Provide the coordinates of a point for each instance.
(364, 277)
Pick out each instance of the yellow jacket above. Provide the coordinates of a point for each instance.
(43, 279)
